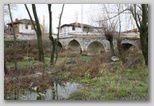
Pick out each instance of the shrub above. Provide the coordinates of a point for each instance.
(48, 50)
(34, 51)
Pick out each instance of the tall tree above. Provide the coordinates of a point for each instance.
(50, 36)
(37, 30)
(59, 28)
(140, 15)
(14, 36)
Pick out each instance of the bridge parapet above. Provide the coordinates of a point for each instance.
(101, 35)
(127, 35)
(81, 36)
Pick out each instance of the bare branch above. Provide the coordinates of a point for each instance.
(12, 7)
(115, 15)
(58, 32)
(30, 17)
(107, 13)
(133, 11)
(139, 18)
(139, 7)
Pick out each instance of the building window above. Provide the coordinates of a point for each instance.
(73, 28)
(87, 29)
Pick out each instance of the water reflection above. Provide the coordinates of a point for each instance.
(56, 92)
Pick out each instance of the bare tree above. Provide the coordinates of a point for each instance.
(50, 36)
(59, 28)
(140, 15)
(14, 36)
(119, 39)
(108, 27)
(7, 11)
(37, 30)
(12, 7)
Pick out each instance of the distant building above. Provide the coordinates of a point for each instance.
(23, 26)
(78, 28)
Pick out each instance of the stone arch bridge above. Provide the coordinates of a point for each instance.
(94, 45)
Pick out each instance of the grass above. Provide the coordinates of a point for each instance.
(113, 86)
(21, 64)
(82, 57)
(9, 40)
(28, 63)
(103, 79)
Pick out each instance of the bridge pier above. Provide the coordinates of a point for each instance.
(115, 46)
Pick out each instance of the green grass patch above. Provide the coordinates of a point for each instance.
(82, 57)
(21, 64)
(127, 84)
(12, 40)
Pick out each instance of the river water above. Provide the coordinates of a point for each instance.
(57, 92)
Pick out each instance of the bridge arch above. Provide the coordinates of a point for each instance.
(74, 46)
(105, 43)
(126, 44)
(129, 42)
(95, 48)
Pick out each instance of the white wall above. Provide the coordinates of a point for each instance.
(68, 32)
(68, 29)
(26, 37)
(22, 29)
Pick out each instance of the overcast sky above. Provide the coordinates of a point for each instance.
(72, 13)
(84, 13)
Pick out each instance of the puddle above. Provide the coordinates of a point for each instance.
(58, 92)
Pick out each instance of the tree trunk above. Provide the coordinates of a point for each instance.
(119, 39)
(39, 35)
(58, 33)
(144, 32)
(144, 43)
(119, 46)
(52, 52)
(110, 39)
(14, 36)
(142, 24)
(40, 47)
(112, 47)
(5, 68)
(51, 37)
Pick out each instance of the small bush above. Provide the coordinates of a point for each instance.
(19, 57)
(34, 51)
(38, 66)
(34, 56)
(48, 50)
